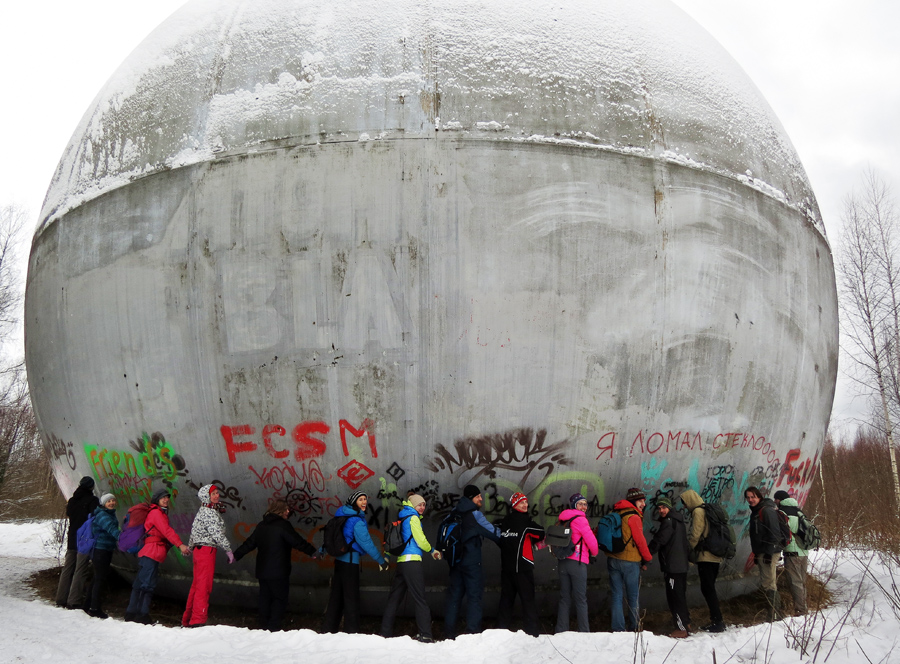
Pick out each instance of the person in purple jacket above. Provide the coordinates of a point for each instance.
(573, 570)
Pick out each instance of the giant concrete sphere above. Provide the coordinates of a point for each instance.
(299, 247)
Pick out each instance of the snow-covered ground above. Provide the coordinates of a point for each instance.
(862, 627)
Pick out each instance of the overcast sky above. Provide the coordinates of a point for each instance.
(829, 68)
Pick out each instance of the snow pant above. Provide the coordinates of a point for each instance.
(767, 566)
(72, 581)
(408, 579)
(101, 562)
(572, 590)
(676, 598)
(204, 558)
(344, 599)
(795, 571)
(273, 601)
(465, 579)
(624, 583)
(143, 587)
(708, 573)
(521, 583)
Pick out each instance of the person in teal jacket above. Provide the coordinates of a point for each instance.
(344, 597)
(105, 528)
(794, 556)
(410, 577)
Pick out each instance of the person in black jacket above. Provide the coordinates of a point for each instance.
(71, 591)
(467, 578)
(766, 544)
(518, 535)
(671, 542)
(274, 538)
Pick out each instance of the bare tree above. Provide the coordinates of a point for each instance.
(870, 299)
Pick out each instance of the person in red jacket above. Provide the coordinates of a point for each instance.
(159, 538)
(625, 567)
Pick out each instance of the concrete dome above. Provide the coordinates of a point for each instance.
(225, 77)
(299, 248)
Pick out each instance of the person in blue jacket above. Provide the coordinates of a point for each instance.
(105, 529)
(467, 578)
(344, 597)
(410, 576)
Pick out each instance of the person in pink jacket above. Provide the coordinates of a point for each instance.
(159, 538)
(573, 570)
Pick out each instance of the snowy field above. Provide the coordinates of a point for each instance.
(862, 627)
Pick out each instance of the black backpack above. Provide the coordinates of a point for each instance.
(559, 539)
(449, 538)
(394, 542)
(335, 544)
(720, 540)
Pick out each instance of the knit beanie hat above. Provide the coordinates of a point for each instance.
(517, 498)
(159, 495)
(105, 498)
(87, 481)
(574, 499)
(471, 491)
(664, 502)
(356, 495)
(634, 494)
(781, 495)
(415, 500)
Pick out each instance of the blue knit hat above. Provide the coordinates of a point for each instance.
(576, 498)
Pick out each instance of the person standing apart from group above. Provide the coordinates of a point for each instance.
(207, 536)
(410, 575)
(625, 567)
(573, 570)
(707, 563)
(765, 538)
(344, 598)
(795, 556)
(70, 593)
(467, 577)
(159, 538)
(105, 529)
(671, 543)
(518, 536)
(274, 538)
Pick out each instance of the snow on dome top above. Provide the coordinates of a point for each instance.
(230, 77)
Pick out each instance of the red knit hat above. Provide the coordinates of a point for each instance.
(517, 498)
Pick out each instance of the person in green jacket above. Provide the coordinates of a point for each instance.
(410, 577)
(794, 555)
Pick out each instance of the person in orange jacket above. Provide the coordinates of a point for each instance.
(159, 538)
(625, 567)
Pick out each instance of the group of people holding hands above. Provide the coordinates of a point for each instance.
(677, 543)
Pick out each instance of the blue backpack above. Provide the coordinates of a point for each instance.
(85, 537)
(609, 531)
(449, 539)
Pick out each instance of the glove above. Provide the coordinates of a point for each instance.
(230, 556)
(385, 566)
(316, 554)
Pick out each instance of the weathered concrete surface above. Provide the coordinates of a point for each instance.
(299, 314)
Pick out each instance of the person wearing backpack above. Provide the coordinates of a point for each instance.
(708, 564)
(519, 535)
(766, 542)
(344, 597)
(410, 576)
(625, 567)
(795, 556)
(671, 543)
(207, 535)
(273, 539)
(572, 570)
(160, 537)
(105, 529)
(466, 577)
(70, 593)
